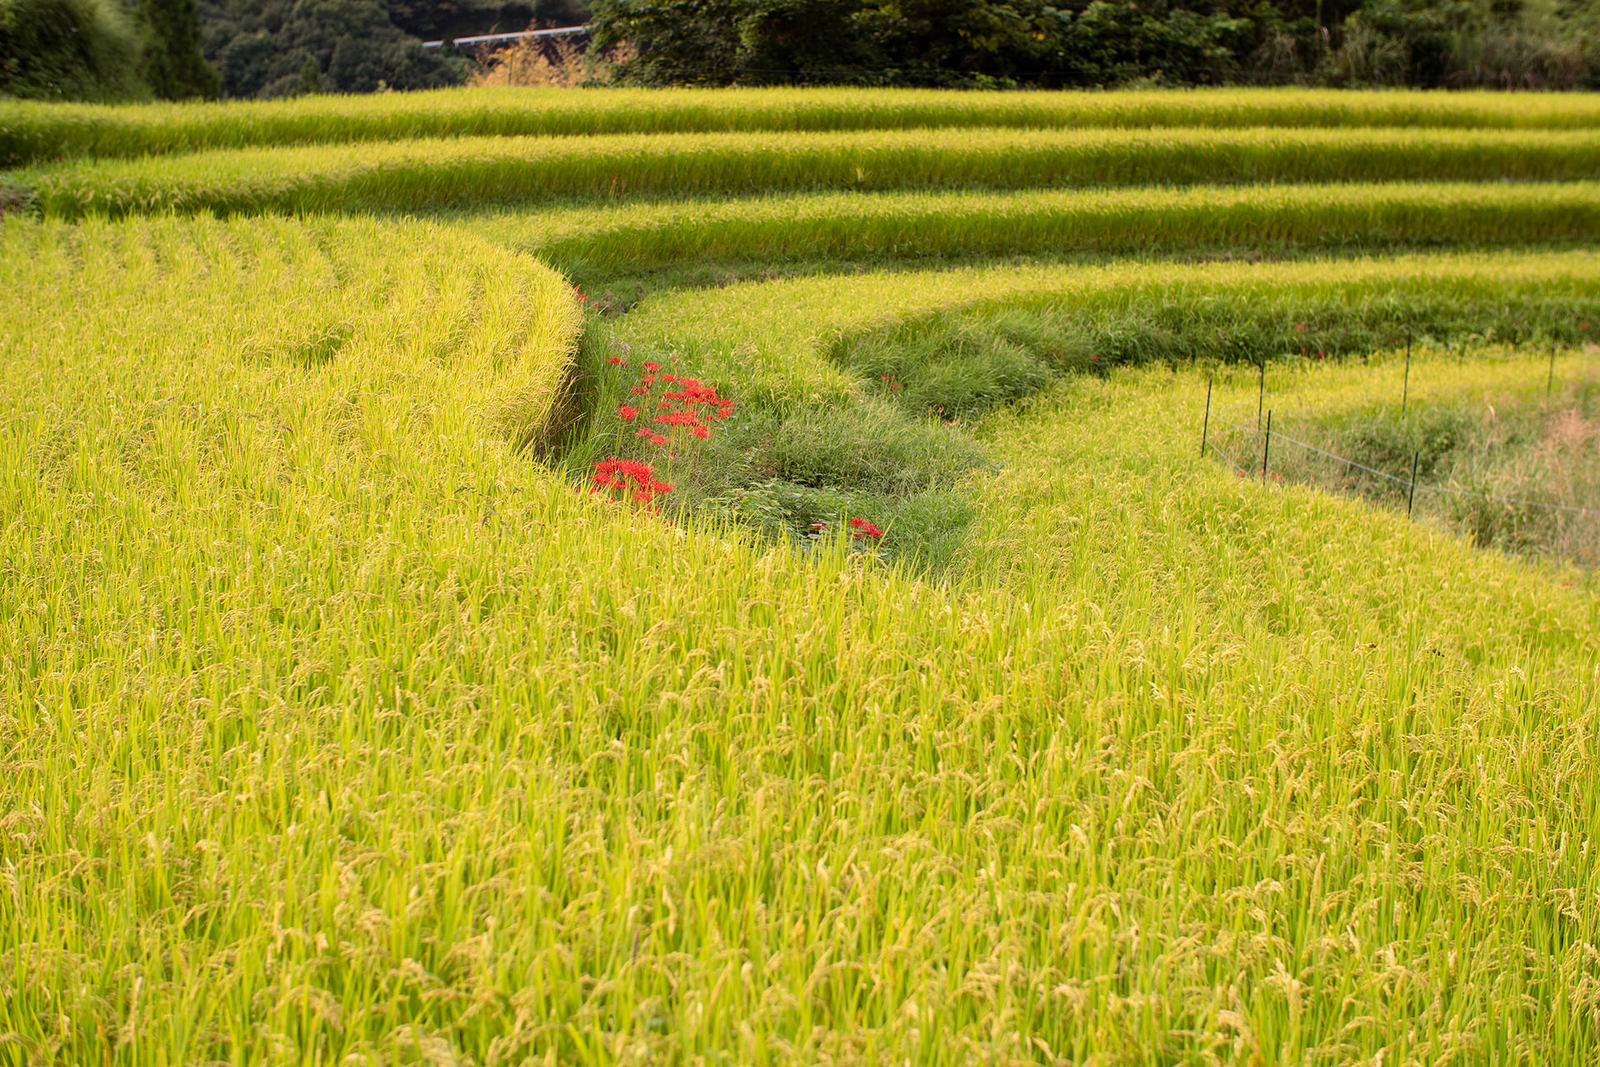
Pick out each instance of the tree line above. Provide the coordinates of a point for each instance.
(176, 49)
(1088, 43)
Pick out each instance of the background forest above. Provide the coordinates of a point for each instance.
(175, 49)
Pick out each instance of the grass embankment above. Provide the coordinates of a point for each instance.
(429, 174)
(594, 244)
(785, 339)
(335, 731)
(34, 132)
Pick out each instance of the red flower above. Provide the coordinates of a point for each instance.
(657, 439)
(638, 389)
(628, 412)
(652, 366)
(701, 432)
(1300, 326)
(615, 361)
(862, 528)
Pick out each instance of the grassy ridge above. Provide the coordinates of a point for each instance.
(595, 241)
(32, 132)
(468, 171)
(324, 715)
(784, 340)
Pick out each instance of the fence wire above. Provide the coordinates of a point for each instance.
(1404, 483)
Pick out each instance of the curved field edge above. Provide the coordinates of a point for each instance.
(435, 174)
(779, 338)
(285, 300)
(35, 132)
(600, 240)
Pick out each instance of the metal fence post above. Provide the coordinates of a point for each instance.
(1266, 446)
(1405, 389)
(1411, 494)
(1261, 394)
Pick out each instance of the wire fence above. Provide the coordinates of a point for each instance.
(1264, 435)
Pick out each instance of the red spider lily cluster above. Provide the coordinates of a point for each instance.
(679, 403)
(860, 530)
(668, 404)
(629, 479)
(1300, 327)
(889, 382)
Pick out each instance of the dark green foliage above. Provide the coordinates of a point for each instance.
(68, 50)
(1100, 42)
(173, 65)
(267, 49)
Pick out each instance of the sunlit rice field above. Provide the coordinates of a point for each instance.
(458, 172)
(30, 131)
(347, 718)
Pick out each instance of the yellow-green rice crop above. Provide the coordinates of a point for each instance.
(339, 726)
(598, 240)
(468, 171)
(336, 731)
(35, 131)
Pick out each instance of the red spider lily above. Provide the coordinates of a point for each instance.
(1300, 326)
(701, 432)
(819, 526)
(657, 439)
(645, 433)
(678, 418)
(652, 366)
(627, 413)
(862, 528)
(638, 389)
(616, 361)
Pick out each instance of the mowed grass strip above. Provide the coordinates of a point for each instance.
(797, 342)
(595, 241)
(430, 174)
(326, 716)
(31, 132)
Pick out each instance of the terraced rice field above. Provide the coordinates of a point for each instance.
(349, 713)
